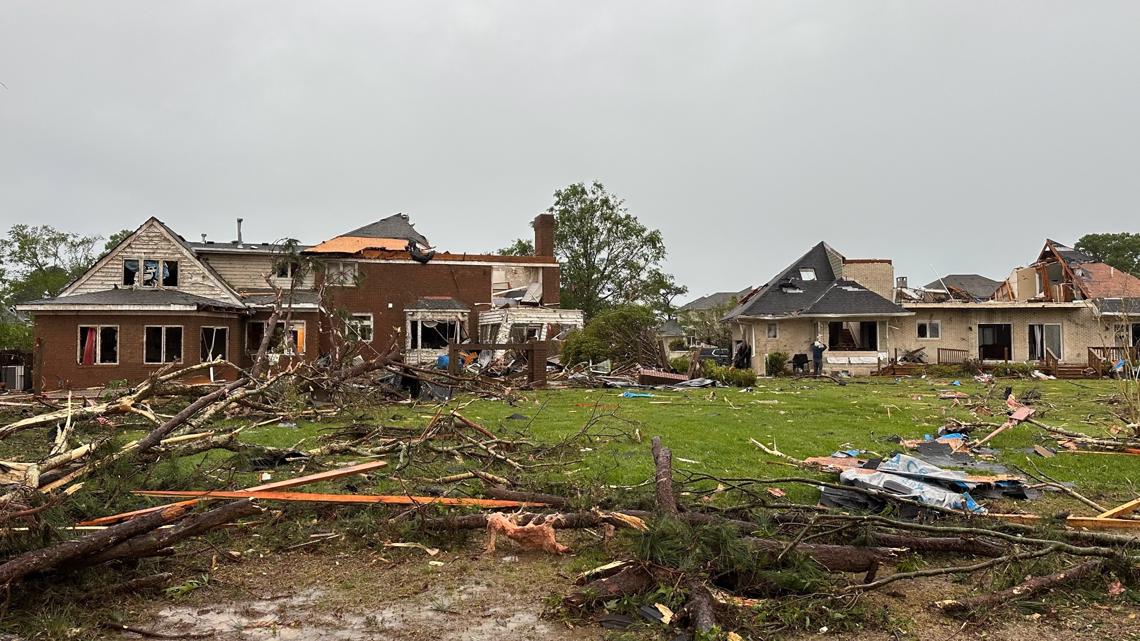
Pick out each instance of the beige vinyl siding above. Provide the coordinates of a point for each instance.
(248, 271)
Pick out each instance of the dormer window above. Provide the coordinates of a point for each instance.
(150, 272)
(807, 273)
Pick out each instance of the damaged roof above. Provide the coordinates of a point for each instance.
(440, 303)
(812, 286)
(391, 233)
(712, 301)
(121, 297)
(977, 286)
(1099, 280)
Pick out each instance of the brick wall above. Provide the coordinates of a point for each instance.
(876, 275)
(57, 346)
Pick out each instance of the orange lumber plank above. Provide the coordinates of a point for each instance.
(1120, 510)
(394, 499)
(276, 485)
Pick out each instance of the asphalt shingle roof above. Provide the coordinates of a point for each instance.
(790, 295)
(976, 285)
(440, 303)
(133, 296)
(713, 301)
(394, 226)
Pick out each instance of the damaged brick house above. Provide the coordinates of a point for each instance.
(846, 302)
(1065, 312)
(156, 299)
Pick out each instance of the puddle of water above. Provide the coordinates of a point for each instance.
(442, 616)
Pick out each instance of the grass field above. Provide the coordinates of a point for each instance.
(709, 430)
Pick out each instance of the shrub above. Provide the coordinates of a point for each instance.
(623, 334)
(680, 364)
(678, 345)
(775, 364)
(1012, 369)
(730, 375)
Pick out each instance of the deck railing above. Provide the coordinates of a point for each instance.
(1104, 357)
(952, 356)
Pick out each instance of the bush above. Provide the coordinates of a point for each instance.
(680, 364)
(730, 375)
(775, 364)
(623, 334)
(678, 345)
(1012, 369)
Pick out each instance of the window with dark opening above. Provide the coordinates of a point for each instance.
(150, 273)
(214, 342)
(930, 329)
(98, 345)
(130, 271)
(280, 342)
(170, 273)
(853, 336)
(162, 344)
(432, 334)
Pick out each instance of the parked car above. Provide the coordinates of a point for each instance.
(718, 355)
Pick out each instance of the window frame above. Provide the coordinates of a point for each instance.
(355, 321)
(201, 338)
(807, 273)
(299, 345)
(137, 274)
(928, 323)
(339, 280)
(140, 272)
(164, 328)
(98, 344)
(773, 330)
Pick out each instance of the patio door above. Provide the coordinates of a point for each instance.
(1044, 336)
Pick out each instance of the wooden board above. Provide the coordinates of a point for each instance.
(1085, 522)
(393, 499)
(1120, 510)
(277, 485)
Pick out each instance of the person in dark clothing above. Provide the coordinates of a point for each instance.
(817, 349)
(743, 357)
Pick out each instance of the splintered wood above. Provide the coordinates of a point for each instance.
(532, 536)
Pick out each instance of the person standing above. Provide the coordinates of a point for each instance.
(817, 349)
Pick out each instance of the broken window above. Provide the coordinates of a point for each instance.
(853, 336)
(339, 272)
(170, 273)
(287, 268)
(489, 333)
(433, 334)
(214, 343)
(282, 342)
(523, 332)
(995, 341)
(930, 329)
(130, 271)
(807, 273)
(360, 327)
(162, 344)
(150, 273)
(1044, 337)
(773, 330)
(98, 345)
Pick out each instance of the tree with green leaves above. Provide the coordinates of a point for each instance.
(37, 262)
(520, 247)
(608, 257)
(1121, 250)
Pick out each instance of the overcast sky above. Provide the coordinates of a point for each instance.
(949, 136)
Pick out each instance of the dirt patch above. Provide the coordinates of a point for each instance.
(346, 597)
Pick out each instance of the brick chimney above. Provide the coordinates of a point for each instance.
(544, 235)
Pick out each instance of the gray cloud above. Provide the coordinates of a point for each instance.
(951, 137)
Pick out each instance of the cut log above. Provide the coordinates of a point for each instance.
(1023, 590)
(50, 557)
(834, 558)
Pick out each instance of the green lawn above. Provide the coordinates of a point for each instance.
(708, 430)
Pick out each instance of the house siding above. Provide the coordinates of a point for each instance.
(151, 242)
(248, 271)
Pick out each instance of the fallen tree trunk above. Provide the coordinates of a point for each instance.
(560, 520)
(155, 542)
(663, 478)
(500, 492)
(954, 544)
(630, 581)
(1023, 590)
(702, 616)
(51, 557)
(835, 558)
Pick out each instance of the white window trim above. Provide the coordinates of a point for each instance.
(768, 330)
(98, 344)
(1060, 337)
(928, 323)
(360, 320)
(163, 355)
(225, 345)
(807, 273)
